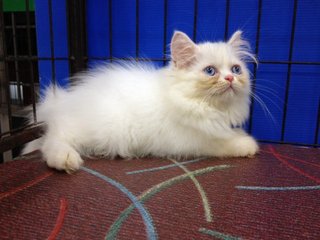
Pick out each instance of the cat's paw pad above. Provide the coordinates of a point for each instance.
(72, 163)
(246, 147)
(70, 160)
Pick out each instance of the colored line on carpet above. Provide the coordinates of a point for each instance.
(115, 227)
(151, 232)
(26, 185)
(260, 188)
(163, 167)
(218, 235)
(204, 198)
(293, 159)
(292, 167)
(60, 219)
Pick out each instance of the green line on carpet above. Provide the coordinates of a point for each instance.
(115, 227)
(163, 167)
(151, 232)
(204, 198)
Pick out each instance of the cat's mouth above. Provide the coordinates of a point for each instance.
(228, 89)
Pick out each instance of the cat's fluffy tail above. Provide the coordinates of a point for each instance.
(32, 146)
(44, 109)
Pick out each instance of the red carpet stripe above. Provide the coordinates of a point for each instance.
(294, 159)
(25, 186)
(60, 219)
(294, 168)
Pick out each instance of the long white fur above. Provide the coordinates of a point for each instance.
(135, 110)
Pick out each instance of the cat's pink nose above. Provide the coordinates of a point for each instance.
(229, 78)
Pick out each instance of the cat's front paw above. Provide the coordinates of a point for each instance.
(73, 162)
(245, 146)
(63, 158)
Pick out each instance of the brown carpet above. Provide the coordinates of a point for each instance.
(275, 195)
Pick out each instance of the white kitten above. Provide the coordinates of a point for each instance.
(190, 108)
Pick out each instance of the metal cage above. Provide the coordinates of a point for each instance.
(30, 47)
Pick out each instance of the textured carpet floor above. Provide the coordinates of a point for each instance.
(275, 195)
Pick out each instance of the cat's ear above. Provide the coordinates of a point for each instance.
(236, 39)
(183, 50)
(241, 47)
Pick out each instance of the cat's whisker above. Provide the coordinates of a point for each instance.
(262, 104)
(211, 93)
(258, 80)
(265, 109)
(270, 100)
(266, 91)
(265, 87)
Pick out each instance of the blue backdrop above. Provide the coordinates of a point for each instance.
(148, 35)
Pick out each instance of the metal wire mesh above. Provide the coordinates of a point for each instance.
(19, 62)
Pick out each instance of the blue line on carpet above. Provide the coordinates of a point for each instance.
(218, 235)
(144, 213)
(260, 188)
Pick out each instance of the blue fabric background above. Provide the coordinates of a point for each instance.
(154, 37)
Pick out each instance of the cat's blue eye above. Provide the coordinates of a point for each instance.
(211, 71)
(236, 69)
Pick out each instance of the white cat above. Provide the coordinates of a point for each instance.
(193, 107)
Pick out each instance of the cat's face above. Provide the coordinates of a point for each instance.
(216, 70)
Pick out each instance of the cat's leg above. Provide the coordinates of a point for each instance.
(239, 145)
(59, 154)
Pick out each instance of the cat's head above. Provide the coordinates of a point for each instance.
(214, 71)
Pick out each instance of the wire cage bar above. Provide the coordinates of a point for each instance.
(79, 54)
